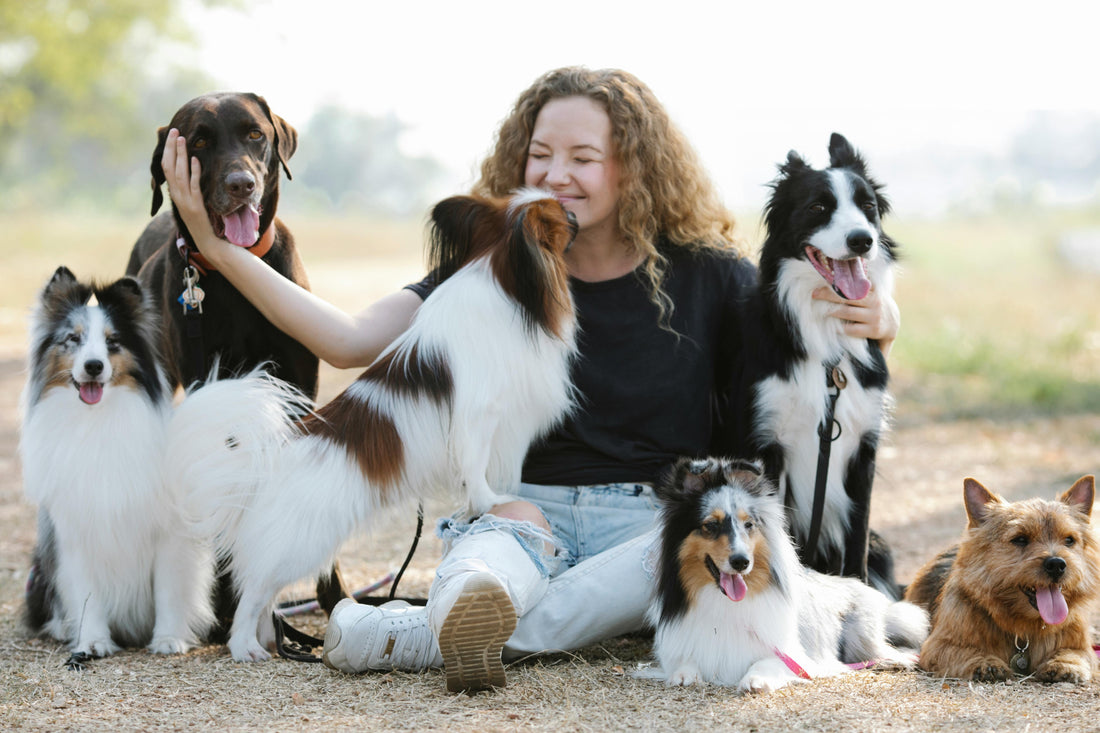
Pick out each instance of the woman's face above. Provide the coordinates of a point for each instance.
(571, 156)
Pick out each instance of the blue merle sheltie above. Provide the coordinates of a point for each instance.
(735, 607)
(817, 399)
(113, 566)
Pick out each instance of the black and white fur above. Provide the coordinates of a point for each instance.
(735, 607)
(824, 228)
(451, 406)
(113, 565)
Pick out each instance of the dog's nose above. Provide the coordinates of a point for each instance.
(240, 183)
(93, 367)
(860, 241)
(739, 563)
(1055, 567)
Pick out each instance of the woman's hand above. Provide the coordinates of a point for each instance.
(182, 175)
(874, 317)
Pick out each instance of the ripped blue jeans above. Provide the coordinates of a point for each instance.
(598, 581)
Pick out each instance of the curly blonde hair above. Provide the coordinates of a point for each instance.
(664, 190)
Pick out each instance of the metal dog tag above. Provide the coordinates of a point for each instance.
(192, 295)
(1020, 663)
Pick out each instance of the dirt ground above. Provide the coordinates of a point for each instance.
(917, 507)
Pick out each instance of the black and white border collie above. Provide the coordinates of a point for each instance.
(113, 565)
(734, 606)
(824, 228)
(451, 406)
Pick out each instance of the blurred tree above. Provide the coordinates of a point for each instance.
(356, 160)
(78, 80)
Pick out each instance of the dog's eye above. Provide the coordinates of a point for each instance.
(198, 143)
(73, 339)
(710, 529)
(749, 524)
(113, 345)
(1070, 541)
(255, 134)
(1020, 540)
(870, 207)
(817, 208)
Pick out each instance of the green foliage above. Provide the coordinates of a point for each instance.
(76, 87)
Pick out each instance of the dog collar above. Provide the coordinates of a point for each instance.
(195, 258)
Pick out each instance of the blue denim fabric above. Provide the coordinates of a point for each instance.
(586, 520)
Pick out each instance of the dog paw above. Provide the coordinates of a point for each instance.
(1059, 671)
(248, 650)
(991, 671)
(683, 678)
(758, 684)
(96, 648)
(169, 645)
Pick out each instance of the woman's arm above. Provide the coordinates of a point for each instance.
(875, 317)
(335, 336)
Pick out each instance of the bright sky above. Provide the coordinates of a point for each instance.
(746, 81)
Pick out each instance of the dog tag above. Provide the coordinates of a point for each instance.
(1019, 662)
(191, 298)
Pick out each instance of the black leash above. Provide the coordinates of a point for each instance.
(836, 381)
(298, 646)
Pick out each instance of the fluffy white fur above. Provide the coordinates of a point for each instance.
(127, 570)
(510, 385)
(820, 622)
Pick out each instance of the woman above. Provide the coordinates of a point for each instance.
(656, 278)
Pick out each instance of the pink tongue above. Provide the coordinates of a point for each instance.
(242, 226)
(851, 279)
(733, 586)
(91, 392)
(1052, 605)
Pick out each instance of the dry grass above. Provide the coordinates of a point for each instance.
(917, 507)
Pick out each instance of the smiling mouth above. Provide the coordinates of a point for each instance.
(90, 392)
(848, 277)
(240, 227)
(1049, 602)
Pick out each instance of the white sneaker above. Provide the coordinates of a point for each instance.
(394, 635)
(474, 632)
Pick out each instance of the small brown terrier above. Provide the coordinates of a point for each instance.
(1015, 596)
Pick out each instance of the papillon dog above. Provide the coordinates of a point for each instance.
(817, 396)
(113, 565)
(735, 607)
(451, 407)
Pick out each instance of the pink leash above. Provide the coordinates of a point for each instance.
(801, 673)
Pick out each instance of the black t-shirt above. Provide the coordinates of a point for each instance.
(647, 394)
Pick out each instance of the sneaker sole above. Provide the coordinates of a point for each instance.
(473, 636)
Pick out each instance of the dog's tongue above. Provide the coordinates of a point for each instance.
(1052, 605)
(91, 392)
(242, 226)
(733, 586)
(851, 278)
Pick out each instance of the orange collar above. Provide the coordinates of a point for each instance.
(194, 257)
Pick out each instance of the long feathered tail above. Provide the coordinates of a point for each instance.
(223, 443)
(906, 625)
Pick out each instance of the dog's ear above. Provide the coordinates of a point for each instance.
(126, 290)
(62, 291)
(978, 500)
(794, 164)
(1080, 496)
(157, 171)
(843, 155)
(286, 137)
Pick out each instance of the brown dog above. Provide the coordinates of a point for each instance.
(1015, 596)
(241, 145)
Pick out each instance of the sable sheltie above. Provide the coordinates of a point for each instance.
(735, 607)
(113, 565)
(452, 405)
(824, 228)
